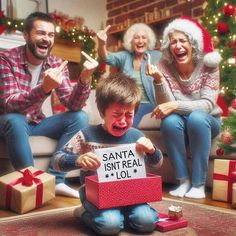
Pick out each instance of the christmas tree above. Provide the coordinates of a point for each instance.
(219, 19)
(227, 140)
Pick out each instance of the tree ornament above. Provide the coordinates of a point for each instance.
(2, 14)
(234, 44)
(226, 137)
(2, 28)
(228, 10)
(220, 152)
(222, 104)
(222, 27)
(234, 54)
(233, 103)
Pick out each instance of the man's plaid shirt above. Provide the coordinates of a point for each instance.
(17, 96)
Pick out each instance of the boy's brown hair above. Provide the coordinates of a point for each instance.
(117, 88)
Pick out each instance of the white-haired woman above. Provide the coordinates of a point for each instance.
(187, 86)
(139, 40)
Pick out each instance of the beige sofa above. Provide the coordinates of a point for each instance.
(43, 147)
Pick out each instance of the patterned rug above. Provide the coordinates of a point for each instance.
(202, 220)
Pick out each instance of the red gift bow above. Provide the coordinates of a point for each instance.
(28, 179)
(231, 178)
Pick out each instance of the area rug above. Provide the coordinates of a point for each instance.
(202, 220)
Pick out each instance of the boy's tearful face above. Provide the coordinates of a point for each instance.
(118, 118)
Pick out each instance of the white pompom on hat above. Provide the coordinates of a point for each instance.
(199, 34)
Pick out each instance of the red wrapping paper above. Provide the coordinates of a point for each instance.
(223, 178)
(123, 193)
(234, 196)
(169, 224)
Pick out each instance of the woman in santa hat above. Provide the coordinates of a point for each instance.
(186, 81)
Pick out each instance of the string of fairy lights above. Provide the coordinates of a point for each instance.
(81, 35)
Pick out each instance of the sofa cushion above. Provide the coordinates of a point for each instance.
(40, 145)
(91, 109)
(148, 123)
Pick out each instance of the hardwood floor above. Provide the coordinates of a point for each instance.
(60, 201)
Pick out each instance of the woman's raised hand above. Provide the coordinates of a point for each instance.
(102, 34)
(153, 71)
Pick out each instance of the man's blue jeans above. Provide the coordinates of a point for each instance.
(196, 132)
(141, 218)
(15, 130)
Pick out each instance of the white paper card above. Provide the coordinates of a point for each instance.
(120, 163)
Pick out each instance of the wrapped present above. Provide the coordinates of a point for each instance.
(26, 189)
(166, 223)
(234, 196)
(123, 192)
(224, 175)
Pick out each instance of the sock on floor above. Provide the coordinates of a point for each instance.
(182, 189)
(65, 190)
(196, 192)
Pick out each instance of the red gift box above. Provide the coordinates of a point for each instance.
(167, 224)
(124, 192)
(223, 178)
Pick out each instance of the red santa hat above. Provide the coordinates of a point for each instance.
(199, 34)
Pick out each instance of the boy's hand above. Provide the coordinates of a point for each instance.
(144, 145)
(89, 67)
(88, 161)
(102, 34)
(153, 71)
(53, 77)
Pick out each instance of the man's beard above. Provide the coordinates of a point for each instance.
(33, 49)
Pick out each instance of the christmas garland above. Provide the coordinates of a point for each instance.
(72, 30)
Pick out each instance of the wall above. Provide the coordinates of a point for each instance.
(157, 13)
(122, 11)
(14, 9)
(93, 11)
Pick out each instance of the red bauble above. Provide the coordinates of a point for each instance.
(2, 28)
(228, 10)
(233, 103)
(226, 137)
(219, 152)
(222, 27)
(222, 104)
